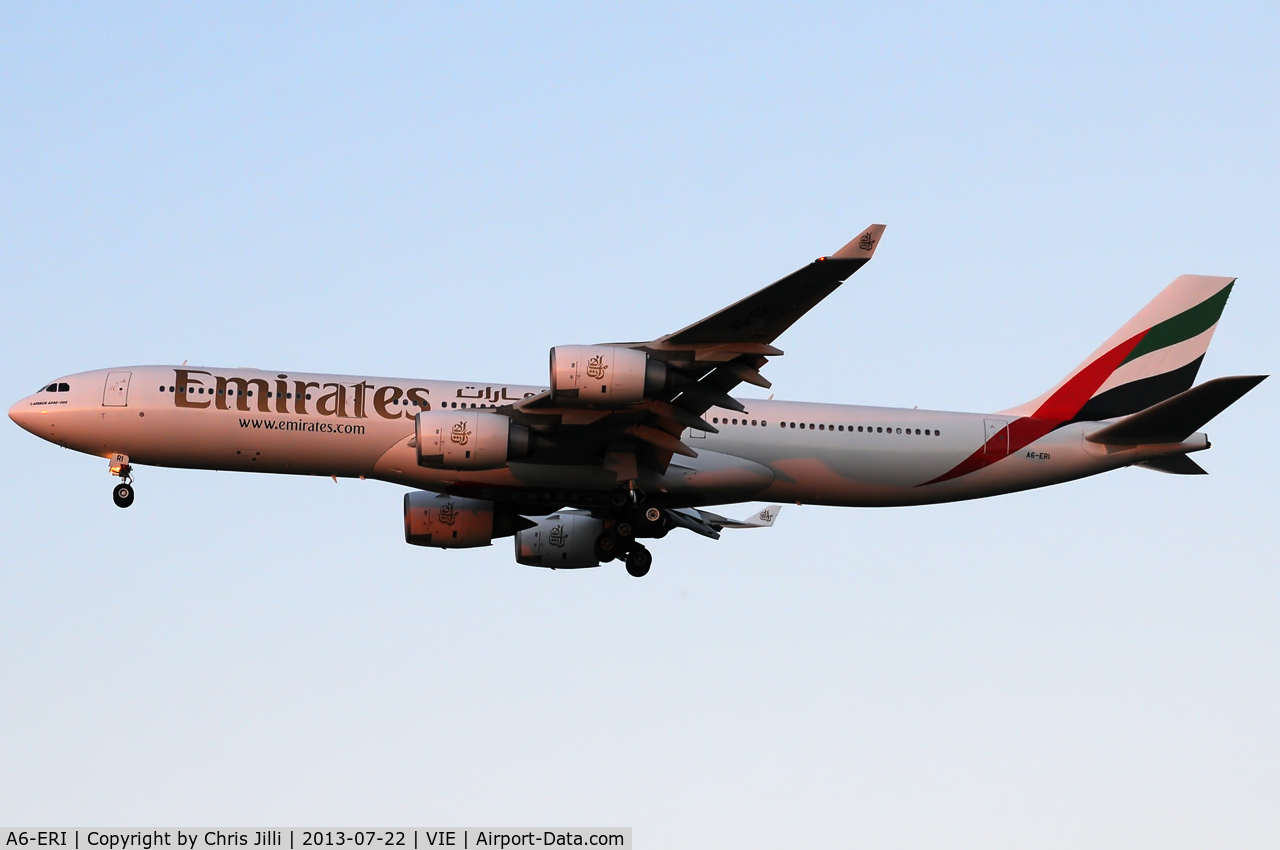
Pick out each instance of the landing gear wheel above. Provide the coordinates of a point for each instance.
(624, 529)
(607, 547)
(122, 495)
(639, 560)
(653, 523)
(620, 498)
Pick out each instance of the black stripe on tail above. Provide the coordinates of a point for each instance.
(1134, 396)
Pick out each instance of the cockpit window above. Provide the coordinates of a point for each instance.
(52, 388)
(64, 388)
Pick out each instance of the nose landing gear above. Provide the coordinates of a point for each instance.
(122, 495)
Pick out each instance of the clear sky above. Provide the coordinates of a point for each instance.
(447, 192)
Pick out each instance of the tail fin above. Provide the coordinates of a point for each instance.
(1155, 356)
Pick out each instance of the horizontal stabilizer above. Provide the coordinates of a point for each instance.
(1174, 465)
(1175, 419)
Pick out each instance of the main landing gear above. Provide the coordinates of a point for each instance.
(631, 519)
(639, 560)
(122, 495)
(612, 545)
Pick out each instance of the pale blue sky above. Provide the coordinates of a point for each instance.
(447, 193)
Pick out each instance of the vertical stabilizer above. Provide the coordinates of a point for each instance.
(1155, 356)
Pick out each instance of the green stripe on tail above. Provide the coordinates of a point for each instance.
(1182, 327)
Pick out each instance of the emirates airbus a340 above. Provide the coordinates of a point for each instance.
(634, 439)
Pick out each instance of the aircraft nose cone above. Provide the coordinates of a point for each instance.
(21, 414)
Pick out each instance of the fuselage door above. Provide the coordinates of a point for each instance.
(997, 438)
(116, 393)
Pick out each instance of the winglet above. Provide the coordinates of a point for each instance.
(710, 525)
(763, 518)
(862, 246)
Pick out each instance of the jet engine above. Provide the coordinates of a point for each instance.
(468, 439)
(560, 541)
(605, 375)
(449, 522)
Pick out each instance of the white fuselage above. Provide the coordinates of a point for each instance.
(308, 424)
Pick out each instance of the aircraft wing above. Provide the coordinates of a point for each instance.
(763, 316)
(704, 362)
(710, 525)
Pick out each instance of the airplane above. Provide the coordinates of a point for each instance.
(632, 440)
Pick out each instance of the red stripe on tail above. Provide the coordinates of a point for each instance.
(1060, 407)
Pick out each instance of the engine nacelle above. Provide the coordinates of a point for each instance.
(450, 522)
(560, 541)
(468, 439)
(604, 375)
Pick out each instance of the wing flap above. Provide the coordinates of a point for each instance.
(661, 439)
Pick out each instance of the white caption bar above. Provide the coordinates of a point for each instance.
(465, 838)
